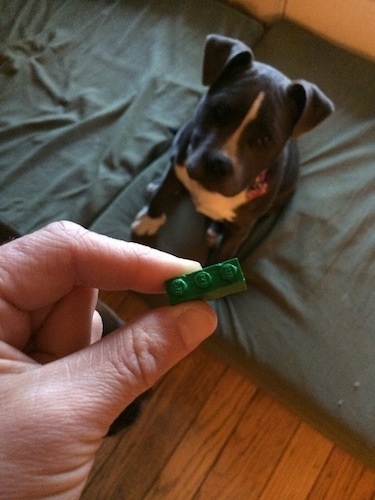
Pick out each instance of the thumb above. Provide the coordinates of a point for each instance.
(107, 376)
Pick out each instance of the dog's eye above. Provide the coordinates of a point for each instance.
(258, 135)
(219, 114)
(257, 141)
(263, 141)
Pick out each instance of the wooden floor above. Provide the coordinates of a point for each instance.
(207, 432)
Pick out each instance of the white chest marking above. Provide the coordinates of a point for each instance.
(213, 205)
(230, 147)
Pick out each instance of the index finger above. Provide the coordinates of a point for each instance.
(42, 267)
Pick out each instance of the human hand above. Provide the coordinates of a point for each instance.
(61, 387)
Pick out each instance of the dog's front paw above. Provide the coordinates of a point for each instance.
(144, 225)
(214, 235)
(152, 187)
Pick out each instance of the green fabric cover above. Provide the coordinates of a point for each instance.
(90, 94)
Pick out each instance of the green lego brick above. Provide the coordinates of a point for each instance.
(209, 283)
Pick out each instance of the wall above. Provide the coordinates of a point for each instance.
(266, 10)
(350, 23)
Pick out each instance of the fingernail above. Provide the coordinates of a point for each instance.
(190, 266)
(197, 321)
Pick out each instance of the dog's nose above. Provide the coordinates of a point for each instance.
(210, 165)
(218, 163)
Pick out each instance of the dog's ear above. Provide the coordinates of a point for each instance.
(222, 53)
(313, 105)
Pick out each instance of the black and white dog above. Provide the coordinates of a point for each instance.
(237, 156)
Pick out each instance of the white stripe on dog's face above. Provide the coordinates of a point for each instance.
(213, 205)
(231, 146)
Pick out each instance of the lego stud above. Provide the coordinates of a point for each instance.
(228, 272)
(203, 279)
(178, 287)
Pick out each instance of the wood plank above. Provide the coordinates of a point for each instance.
(300, 465)
(200, 447)
(143, 450)
(365, 487)
(345, 478)
(253, 451)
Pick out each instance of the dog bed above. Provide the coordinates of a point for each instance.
(91, 94)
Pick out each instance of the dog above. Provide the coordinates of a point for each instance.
(237, 156)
